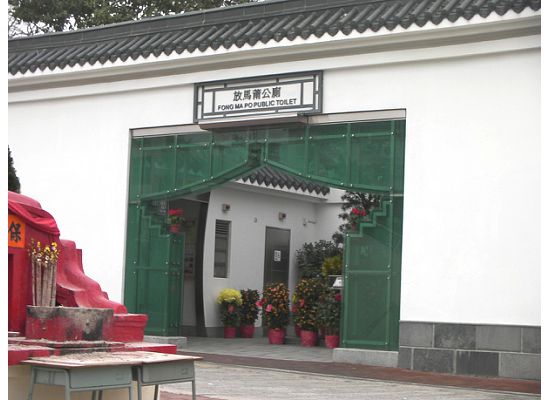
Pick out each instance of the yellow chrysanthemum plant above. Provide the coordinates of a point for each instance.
(230, 301)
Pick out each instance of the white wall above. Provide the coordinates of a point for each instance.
(471, 219)
(472, 182)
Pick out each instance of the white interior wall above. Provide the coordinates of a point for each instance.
(471, 219)
(250, 214)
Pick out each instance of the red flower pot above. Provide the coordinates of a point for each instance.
(332, 341)
(297, 330)
(309, 338)
(247, 331)
(276, 336)
(174, 228)
(229, 332)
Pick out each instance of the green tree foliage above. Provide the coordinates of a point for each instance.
(13, 180)
(42, 16)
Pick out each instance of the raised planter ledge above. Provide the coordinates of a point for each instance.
(378, 358)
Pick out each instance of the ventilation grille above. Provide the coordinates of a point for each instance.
(222, 228)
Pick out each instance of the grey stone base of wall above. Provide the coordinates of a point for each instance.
(367, 357)
(468, 349)
(179, 341)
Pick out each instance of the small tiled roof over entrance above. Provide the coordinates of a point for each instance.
(272, 177)
(239, 25)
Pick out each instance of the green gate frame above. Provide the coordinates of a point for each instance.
(357, 156)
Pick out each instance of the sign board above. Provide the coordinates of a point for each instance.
(277, 255)
(297, 93)
(16, 231)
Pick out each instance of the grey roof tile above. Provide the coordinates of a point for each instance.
(238, 25)
(269, 176)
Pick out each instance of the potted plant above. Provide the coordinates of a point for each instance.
(249, 312)
(328, 315)
(275, 312)
(307, 295)
(331, 266)
(175, 219)
(230, 302)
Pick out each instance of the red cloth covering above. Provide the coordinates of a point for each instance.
(32, 213)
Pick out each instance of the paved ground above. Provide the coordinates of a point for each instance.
(251, 369)
(227, 382)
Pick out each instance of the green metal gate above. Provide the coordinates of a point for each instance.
(361, 156)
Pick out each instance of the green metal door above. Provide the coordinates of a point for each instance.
(372, 281)
(154, 257)
(361, 156)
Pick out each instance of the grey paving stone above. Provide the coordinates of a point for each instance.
(229, 382)
(416, 334)
(519, 366)
(495, 337)
(455, 336)
(405, 358)
(531, 340)
(481, 363)
(368, 357)
(433, 360)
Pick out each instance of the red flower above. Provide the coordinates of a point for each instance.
(355, 211)
(175, 212)
(338, 297)
(294, 309)
(302, 302)
(259, 303)
(268, 308)
(230, 309)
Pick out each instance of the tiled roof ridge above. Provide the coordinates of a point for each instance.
(269, 176)
(200, 18)
(238, 25)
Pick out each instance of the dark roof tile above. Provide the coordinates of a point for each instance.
(238, 25)
(269, 176)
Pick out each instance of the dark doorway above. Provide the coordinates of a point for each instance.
(277, 249)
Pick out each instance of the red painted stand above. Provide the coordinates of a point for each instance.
(59, 330)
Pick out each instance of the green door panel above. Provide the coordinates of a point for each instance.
(154, 279)
(359, 156)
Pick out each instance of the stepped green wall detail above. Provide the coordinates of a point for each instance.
(361, 156)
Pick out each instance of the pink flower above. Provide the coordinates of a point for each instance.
(268, 308)
(259, 303)
(302, 302)
(338, 297)
(294, 309)
(230, 308)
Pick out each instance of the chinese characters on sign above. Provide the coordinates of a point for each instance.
(295, 93)
(16, 232)
(264, 97)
